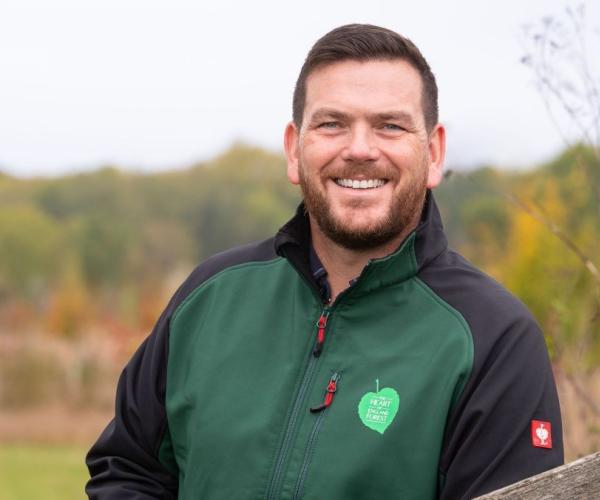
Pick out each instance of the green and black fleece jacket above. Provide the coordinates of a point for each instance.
(425, 379)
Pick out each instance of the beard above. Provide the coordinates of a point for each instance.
(401, 217)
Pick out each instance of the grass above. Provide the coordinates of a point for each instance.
(42, 472)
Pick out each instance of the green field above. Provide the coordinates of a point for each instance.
(42, 472)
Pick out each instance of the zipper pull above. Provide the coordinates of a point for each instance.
(321, 325)
(331, 388)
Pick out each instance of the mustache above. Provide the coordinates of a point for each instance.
(365, 169)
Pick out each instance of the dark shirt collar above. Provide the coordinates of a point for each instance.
(320, 275)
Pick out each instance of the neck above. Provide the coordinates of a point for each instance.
(344, 264)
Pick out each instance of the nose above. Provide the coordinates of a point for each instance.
(361, 145)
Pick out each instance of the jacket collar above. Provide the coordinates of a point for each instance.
(419, 248)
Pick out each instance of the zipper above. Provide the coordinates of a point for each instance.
(321, 326)
(277, 476)
(331, 390)
(290, 432)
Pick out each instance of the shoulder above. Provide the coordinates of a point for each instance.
(261, 251)
(502, 329)
(508, 344)
(487, 306)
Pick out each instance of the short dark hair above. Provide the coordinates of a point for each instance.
(364, 42)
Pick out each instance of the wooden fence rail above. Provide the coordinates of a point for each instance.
(573, 481)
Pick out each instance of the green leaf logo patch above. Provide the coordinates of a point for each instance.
(377, 409)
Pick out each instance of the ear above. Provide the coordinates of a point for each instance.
(437, 154)
(291, 146)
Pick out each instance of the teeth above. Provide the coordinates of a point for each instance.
(362, 184)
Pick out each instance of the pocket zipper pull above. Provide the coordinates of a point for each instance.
(331, 389)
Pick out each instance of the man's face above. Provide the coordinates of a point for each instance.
(363, 157)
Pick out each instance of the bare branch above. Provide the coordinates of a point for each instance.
(550, 225)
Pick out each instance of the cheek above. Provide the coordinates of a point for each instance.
(410, 158)
(318, 151)
(415, 149)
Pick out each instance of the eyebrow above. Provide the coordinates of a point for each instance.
(333, 114)
(328, 114)
(401, 116)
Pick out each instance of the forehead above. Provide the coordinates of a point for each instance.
(365, 86)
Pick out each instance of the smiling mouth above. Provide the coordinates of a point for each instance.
(361, 184)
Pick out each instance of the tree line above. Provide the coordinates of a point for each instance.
(108, 247)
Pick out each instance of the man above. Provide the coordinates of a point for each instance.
(352, 356)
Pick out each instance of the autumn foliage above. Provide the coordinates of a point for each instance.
(89, 260)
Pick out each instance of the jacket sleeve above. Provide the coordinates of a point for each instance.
(124, 463)
(489, 439)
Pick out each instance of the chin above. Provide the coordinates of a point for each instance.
(360, 219)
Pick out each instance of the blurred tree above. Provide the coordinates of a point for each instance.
(104, 243)
(29, 249)
(70, 308)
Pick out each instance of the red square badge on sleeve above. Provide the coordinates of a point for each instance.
(541, 434)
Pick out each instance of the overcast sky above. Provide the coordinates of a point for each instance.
(149, 85)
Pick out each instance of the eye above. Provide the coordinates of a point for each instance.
(392, 127)
(329, 125)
